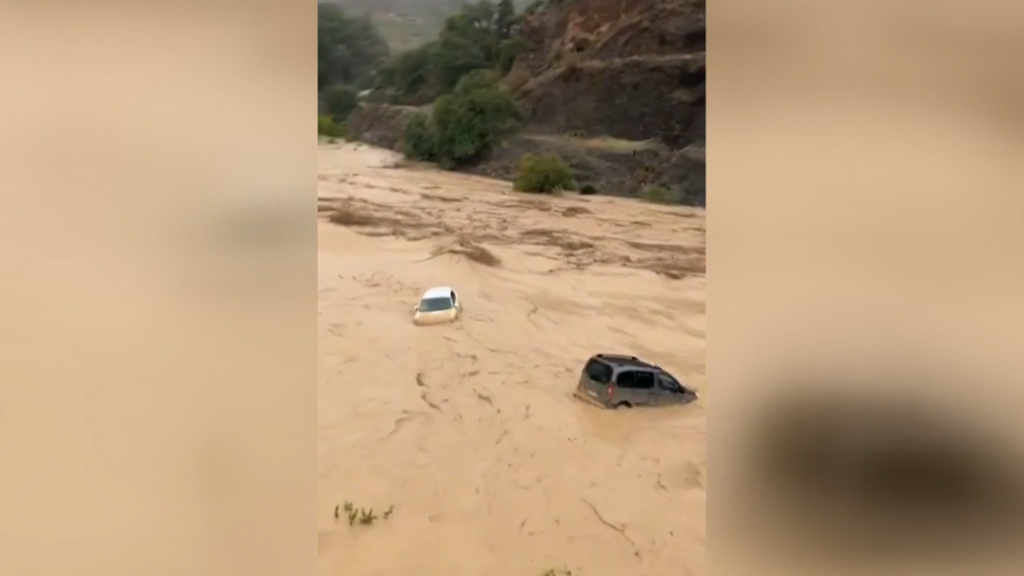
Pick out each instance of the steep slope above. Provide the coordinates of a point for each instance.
(616, 87)
(632, 69)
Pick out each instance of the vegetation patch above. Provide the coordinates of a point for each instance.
(339, 102)
(464, 126)
(326, 126)
(660, 194)
(543, 173)
(477, 37)
(349, 49)
(358, 515)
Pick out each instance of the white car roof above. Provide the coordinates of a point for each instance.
(439, 292)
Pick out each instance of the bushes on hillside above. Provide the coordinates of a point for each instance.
(477, 37)
(508, 51)
(326, 126)
(660, 194)
(465, 125)
(348, 48)
(340, 102)
(407, 73)
(543, 173)
(420, 139)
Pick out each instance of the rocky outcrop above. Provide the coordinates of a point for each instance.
(632, 69)
(379, 124)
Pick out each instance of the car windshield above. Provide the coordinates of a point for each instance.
(435, 304)
(667, 382)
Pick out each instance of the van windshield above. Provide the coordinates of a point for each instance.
(435, 304)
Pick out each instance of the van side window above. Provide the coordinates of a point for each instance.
(453, 297)
(598, 372)
(626, 379)
(644, 380)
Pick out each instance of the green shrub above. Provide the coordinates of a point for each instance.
(348, 47)
(408, 73)
(465, 125)
(452, 58)
(478, 36)
(543, 173)
(472, 119)
(588, 189)
(420, 138)
(477, 80)
(508, 51)
(326, 126)
(340, 102)
(660, 194)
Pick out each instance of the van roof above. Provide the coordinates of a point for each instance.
(624, 360)
(438, 292)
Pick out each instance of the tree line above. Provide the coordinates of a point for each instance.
(457, 74)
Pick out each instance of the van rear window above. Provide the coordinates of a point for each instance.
(598, 371)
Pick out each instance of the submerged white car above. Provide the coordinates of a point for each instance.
(437, 306)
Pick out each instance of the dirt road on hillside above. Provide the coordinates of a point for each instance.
(469, 430)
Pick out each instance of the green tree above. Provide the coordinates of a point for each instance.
(477, 36)
(340, 102)
(420, 138)
(348, 49)
(475, 23)
(471, 120)
(453, 57)
(466, 124)
(505, 18)
(408, 73)
(508, 51)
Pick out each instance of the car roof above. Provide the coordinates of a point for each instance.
(624, 361)
(439, 292)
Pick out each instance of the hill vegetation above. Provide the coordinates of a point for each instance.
(476, 37)
(628, 72)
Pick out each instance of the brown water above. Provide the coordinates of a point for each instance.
(469, 430)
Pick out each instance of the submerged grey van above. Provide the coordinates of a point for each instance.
(617, 381)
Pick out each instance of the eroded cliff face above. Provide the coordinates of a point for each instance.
(379, 124)
(632, 69)
(615, 87)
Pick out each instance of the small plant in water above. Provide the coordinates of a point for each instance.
(361, 515)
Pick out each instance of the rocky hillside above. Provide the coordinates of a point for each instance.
(616, 87)
(632, 69)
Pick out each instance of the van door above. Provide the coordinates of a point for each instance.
(625, 388)
(646, 392)
(670, 391)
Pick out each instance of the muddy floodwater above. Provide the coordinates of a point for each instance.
(467, 434)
